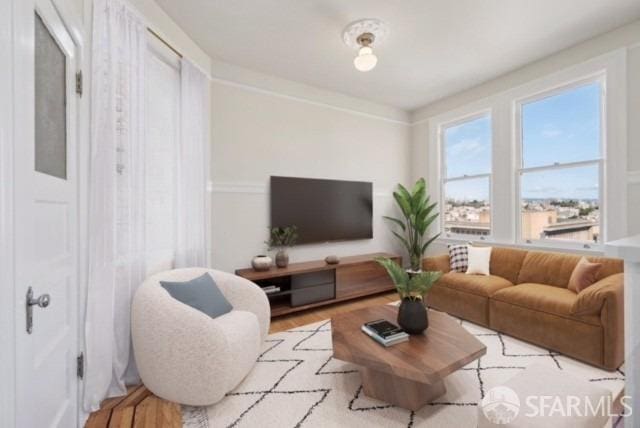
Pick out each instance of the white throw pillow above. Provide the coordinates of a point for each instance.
(479, 258)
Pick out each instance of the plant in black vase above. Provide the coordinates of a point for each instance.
(281, 238)
(418, 213)
(412, 314)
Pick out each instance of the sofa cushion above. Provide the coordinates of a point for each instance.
(481, 285)
(459, 258)
(584, 275)
(479, 260)
(609, 266)
(543, 298)
(506, 262)
(556, 268)
(547, 268)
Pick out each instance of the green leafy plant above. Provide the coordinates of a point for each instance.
(413, 286)
(418, 214)
(281, 237)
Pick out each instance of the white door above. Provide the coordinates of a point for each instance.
(46, 223)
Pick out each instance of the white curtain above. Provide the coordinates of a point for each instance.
(116, 211)
(193, 161)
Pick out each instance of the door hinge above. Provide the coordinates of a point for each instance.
(80, 368)
(79, 83)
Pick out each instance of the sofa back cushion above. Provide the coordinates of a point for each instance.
(609, 266)
(556, 268)
(507, 262)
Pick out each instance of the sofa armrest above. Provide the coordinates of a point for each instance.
(606, 298)
(437, 263)
(591, 300)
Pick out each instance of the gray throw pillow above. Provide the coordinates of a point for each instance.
(200, 293)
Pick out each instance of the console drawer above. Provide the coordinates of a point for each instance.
(313, 287)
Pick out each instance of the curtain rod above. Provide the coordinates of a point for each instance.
(164, 42)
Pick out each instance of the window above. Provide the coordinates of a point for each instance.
(560, 171)
(466, 183)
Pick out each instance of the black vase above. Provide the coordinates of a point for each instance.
(412, 316)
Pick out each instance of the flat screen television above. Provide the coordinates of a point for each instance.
(323, 210)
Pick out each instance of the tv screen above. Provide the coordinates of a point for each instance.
(322, 210)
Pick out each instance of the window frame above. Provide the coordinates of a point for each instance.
(520, 170)
(611, 67)
(442, 127)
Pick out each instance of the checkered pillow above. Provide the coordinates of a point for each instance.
(459, 258)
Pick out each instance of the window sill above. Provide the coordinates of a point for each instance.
(595, 250)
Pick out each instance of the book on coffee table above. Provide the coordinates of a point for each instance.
(385, 332)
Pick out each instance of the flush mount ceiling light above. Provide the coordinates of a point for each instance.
(361, 35)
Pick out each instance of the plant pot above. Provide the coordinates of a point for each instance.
(412, 272)
(412, 316)
(261, 263)
(282, 259)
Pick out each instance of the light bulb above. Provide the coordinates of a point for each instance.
(366, 60)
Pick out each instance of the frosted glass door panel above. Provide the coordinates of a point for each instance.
(50, 104)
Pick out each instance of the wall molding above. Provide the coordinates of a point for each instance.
(238, 187)
(301, 99)
(257, 188)
(633, 177)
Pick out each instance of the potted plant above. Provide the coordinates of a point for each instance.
(280, 238)
(418, 214)
(412, 313)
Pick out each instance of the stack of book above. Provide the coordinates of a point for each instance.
(270, 289)
(384, 332)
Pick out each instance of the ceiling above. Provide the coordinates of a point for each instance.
(435, 47)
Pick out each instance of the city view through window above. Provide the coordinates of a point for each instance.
(559, 176)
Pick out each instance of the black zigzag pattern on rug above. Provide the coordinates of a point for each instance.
(197, 417)
(297, 363)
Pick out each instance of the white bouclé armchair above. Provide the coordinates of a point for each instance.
(187, 357)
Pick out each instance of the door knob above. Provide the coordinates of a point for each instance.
(42, 301)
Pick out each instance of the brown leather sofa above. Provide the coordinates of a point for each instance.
(526, 296)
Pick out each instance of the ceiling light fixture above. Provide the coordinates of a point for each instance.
(361, 35)
(366, 59)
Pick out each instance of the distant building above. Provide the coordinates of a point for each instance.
(578, 230)
(537, 222)
(479, 223)
(545, 225)
(534, 222)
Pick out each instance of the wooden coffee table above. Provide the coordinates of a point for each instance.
(409, 374)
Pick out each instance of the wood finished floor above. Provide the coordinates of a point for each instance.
(141, 409)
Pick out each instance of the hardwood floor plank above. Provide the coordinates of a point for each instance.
(99, 419)
(123, 414)
(146, 413)
(169, 414)
(102, 417)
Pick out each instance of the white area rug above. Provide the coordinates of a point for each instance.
(297, 383)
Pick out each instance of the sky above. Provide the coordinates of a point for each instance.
(561, 128)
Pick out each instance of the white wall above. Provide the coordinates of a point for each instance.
(257, 133)
(626, 37)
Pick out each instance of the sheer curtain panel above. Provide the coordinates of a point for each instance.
(116, 217)
(193, 161)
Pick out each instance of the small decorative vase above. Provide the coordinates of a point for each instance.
(282, 259)
(261, 262)
(332, 260)
(412, 316)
